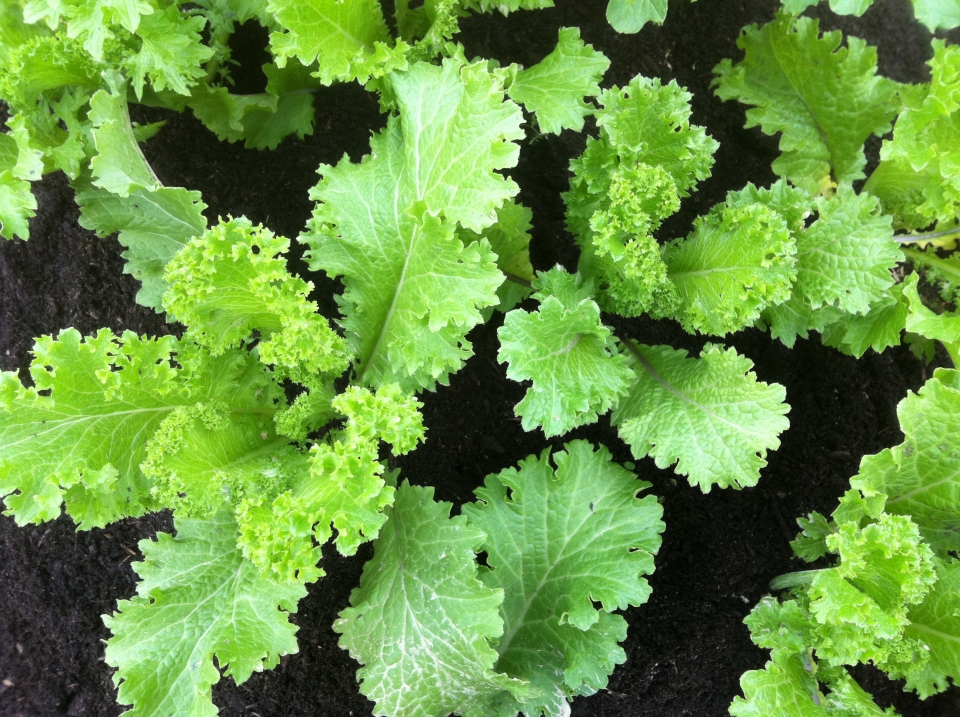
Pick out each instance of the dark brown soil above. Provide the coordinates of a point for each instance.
(687, 647)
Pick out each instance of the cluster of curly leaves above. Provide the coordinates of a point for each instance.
(244, 427)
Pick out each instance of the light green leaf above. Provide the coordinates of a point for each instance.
(84, 442)
(709, 415)
(505, 6)
(649, 122)
(17, 206)
(152, 225)
(119, 166)
(845, 257)
(919, 176)
(936, 623)
(198, 599)
(344, 486)
(629, 16)
(171, 54)
(420, 622)
(783, 688)
(921, 476)
(557, 543)
(567, 352)
(232, 281)
(736, 262)
(826, 100)
(412, 290)
(555, 89)
(937, 14)
(878, 329)
(348, 38)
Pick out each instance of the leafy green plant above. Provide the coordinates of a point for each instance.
(263, 427)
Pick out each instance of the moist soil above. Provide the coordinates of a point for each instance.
(687, 646)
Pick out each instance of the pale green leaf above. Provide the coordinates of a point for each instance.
(709, 415)
(937, 14)
(349, 38)
(936, 623)
(629, 16)
(119, 166)
(171, 53)
(921, 476)
(555, 89)
(152, 225)
(233, 280)
(559, 542)
(17, 206)
(567, 352)
(421, 621)
(783, 688)
(412, 290)
(198, 599)
(825, 99)
(845, 257)
(736, 262)
(878, 329)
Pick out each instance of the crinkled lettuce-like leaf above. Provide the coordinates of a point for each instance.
(343, 488)
(119, 165)
(918, 179)
(387, 224)
(232, 281)
(824, 99)
(935, 14)
(198, 599)
(153, 225)
(421, 621)
(629, 16)
(558, 543)
(936, 623)
(709, 415)
(878, 329)
(736, 262)
(567, 352)
(555, 88)
(81, 433)
(921, 476)
(348, 38)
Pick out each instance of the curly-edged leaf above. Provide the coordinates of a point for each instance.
(80, 434)
(262, 120)
(629, 16)
(509, 238)
(878, 329)
(936, 623)
(232, 281)
(555, 88)
(921, 476)
(841, 7)
(421, 621)
(567, 352)
(784, 688)
(861, 605)
(412, 290)
(344, 487)
(171, 53)
(559, 542)
(736, 262)
(17, 206)
(845, 257)
(649, 122)
(709, 415)
(349, 38)
(505, 6)
(198, 599)
(943, 327)
(152, 225)
(119, 165)
(919, 176)
(826, 100)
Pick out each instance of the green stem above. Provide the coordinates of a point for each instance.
(943, 266)
(928, 236)
(793, 580)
